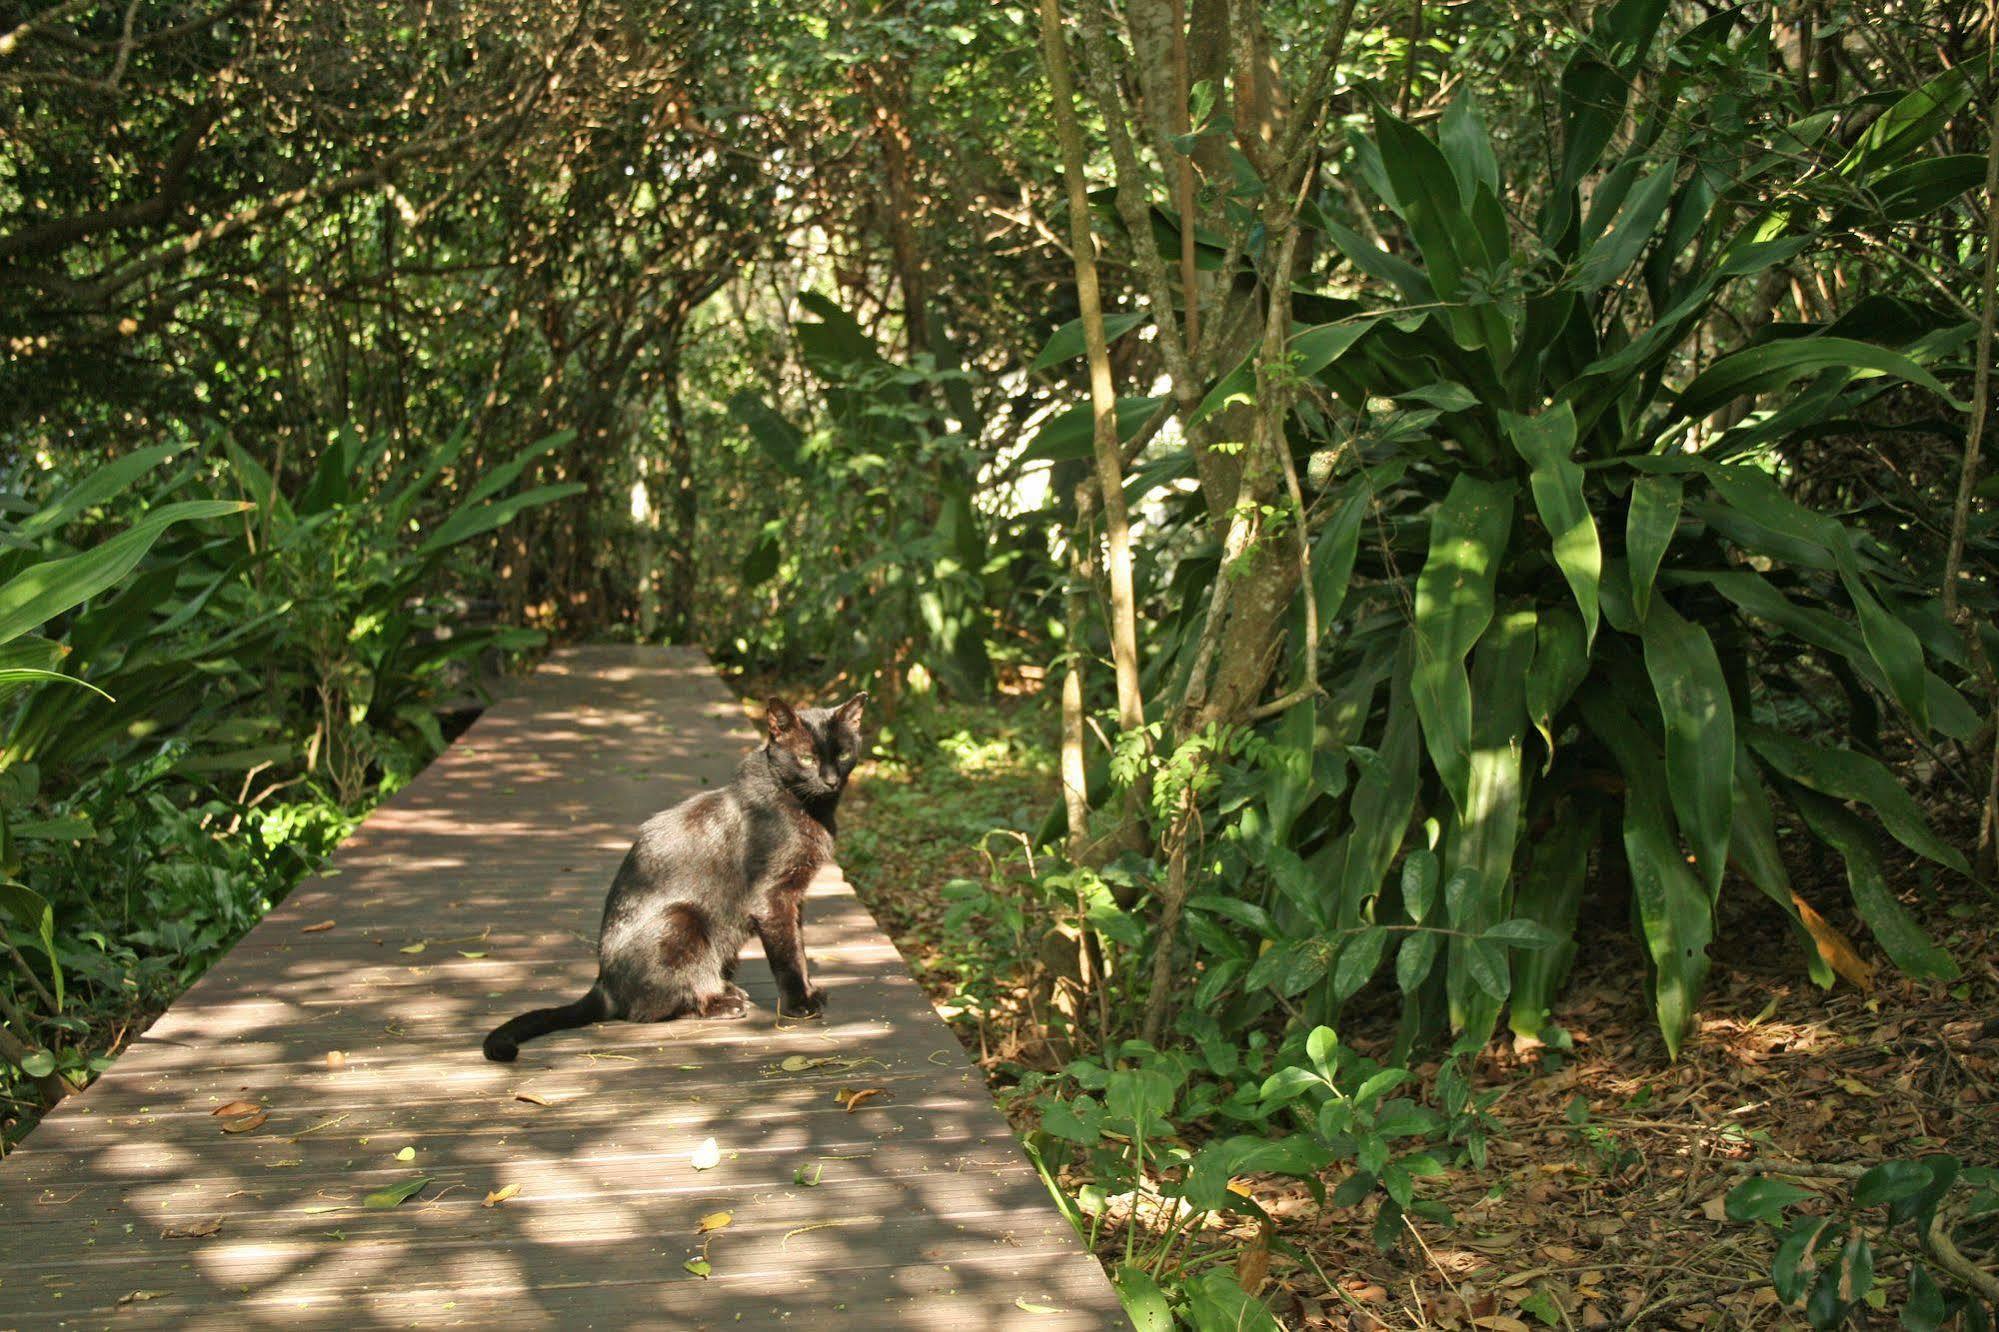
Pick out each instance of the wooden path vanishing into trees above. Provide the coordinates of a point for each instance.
(351, 1018)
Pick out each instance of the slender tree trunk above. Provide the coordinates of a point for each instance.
(1076, 618)
(1103, 394)
(677, 608)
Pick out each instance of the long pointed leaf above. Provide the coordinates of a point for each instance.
(1546, 442)
(1468, 537)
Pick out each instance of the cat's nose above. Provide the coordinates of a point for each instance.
(830, 776)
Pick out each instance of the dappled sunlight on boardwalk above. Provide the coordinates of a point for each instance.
(469, 897)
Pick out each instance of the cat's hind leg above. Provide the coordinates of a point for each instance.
(686, 975)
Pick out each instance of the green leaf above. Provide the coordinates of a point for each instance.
(1648, 530)
(1908, 124)
(473, 520)
(107, 482)
(1674, 910)
(1846, 775)
(1069, 434)
(1889, 921)
(1700, 733)
(1426, 196)
(1454, 591)
(1560, 661)
(1546, 442)
(780, 439)
(1763, 1199)
(32, 912)
(1215, 1301)
(1419, 883)
(1521, 932)
(1067, 342)
(1414, 960)
(1890, 1181)
(1358, 960)
(46, 589)
(38, 1064)
(1772, 365)
(1550, 892)
(1144, 1302)
(396, 1194)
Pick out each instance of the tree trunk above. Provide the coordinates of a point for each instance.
(679, 503)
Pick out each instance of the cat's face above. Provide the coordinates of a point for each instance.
(812, 750)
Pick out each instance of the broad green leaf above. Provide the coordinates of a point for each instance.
(1468, 538)
(107, 482)
(1484, 836)
(1426, 195)
(1700, 733)
(1214, 1300)
(1466, 147)
(1674, 911)
(1890, 1181)
(1648, 530)
(1415, 958)
(1772, 365)
(780, 439)
(1752, 848)
(1067, 342)
(1070, 432)
(1846, 775)
(395, 1195)
(1546, 442)
(1144, 1302)
(1908, 124)
(1382, 798)
(31, 911)
(1419, 883)
(477, 520)
(46, 589)
(1561, 660)
(1887, 919)
(1550, 893)
(1762, 1199)
(1358, 960)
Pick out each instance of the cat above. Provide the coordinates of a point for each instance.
(706, 874)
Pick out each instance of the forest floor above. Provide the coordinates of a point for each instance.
(1601, 1202)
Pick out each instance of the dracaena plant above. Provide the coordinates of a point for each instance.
(1557, 554)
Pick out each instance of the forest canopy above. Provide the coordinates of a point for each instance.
(1454, 486)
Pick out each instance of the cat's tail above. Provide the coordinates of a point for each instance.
(505, 1041)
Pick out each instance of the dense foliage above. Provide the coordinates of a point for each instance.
(1449, 473)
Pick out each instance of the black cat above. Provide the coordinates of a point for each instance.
(707, 872)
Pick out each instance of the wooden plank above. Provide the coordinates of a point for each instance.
(921, 1211)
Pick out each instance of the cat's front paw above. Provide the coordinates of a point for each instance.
(811, 1004)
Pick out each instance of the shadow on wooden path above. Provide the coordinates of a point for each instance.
(472, 895)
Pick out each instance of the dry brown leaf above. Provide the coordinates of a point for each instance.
(532, 1098)
(234, 1108)
(1716, 1208)
(138, 1296)
(321, 928)
(854, 1097)
(500, 1195)
(1834, 947)
(1501, 1323)
(246, 1123)
(1252, 1265)
(193, 1230)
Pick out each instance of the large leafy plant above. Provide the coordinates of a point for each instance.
(1562, 569)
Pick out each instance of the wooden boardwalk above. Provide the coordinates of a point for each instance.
(470, 896)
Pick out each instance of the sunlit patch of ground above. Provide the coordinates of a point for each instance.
(1600, 1205)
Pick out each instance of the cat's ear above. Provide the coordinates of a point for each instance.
(778, 717)
(848, 714)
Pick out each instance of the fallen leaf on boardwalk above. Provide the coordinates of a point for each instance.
(816, 1225)
(1025, 1305)
(320, 1209)
(853, 1097)
(416, 947)
(336, 1059)
(799, 1063)
(321, 928)
(396, 1194)
(406, 1154)
(498, 1196)
(714, 1221)
(246, 1123)
(138, 1295)
(808, 1176)
(194, 1230)
(234, 1108)
(707, 1156)
(463, 953)
(532, 1098)
(699, 1267)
